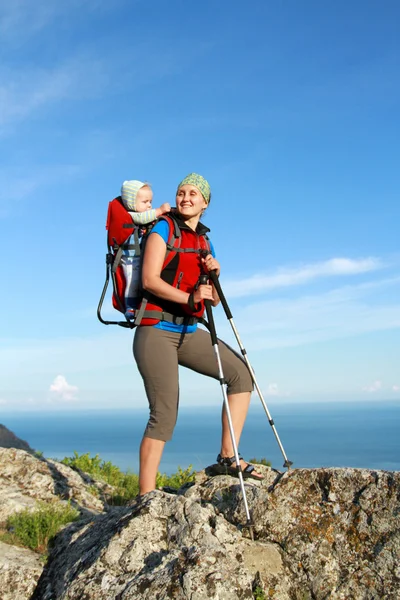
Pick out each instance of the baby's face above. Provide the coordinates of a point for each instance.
(144, 198)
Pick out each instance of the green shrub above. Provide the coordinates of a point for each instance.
(126, 484)
(259, 593)
(84, 462)
(34, 529)
(125, 490)
(92, 489)
(260, 461)
(176, 480)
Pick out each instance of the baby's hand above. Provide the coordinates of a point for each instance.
(165, 208)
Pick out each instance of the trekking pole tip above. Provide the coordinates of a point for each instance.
(287, 464)
(249, 525)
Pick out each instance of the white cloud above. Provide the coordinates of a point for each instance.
(63, 390)
(2, 402)
(339, 313)
(290, 277)
(273, 389)
(396, 388)
(376, 386)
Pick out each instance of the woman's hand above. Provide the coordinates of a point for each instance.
(211, 264)
(203, 292)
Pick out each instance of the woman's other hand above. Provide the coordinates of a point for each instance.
(211, 264)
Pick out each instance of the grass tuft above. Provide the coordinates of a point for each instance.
(34, 529)
(260, 461)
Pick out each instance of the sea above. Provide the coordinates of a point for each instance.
(330, 434)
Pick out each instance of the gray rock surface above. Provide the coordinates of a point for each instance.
(167, 547)
(338, 530)
(20, 570)
(320, 534)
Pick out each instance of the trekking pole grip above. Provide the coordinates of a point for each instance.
(217, 285)
(210, 317)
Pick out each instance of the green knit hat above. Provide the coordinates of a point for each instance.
(198, 181)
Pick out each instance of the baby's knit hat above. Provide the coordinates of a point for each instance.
(129, 192)
(199, 182)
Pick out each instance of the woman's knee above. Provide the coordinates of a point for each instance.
(240, 382)
(162, 421)
(237, 374)
(159, 430)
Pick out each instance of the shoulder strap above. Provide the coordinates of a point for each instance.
(174, 238)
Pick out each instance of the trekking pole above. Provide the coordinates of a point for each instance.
(214, 341)
(214, 278)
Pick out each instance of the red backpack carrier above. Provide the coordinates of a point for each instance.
(124, 238)
(120, 228)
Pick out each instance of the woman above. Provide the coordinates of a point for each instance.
(171, 288)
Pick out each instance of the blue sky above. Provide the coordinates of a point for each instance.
(290, 109)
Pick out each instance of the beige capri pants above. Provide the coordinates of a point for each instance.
(158, 354)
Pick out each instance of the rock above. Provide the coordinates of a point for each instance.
(20, 570)
(338, 530)
(165, 547)
(8, 439)
(319, 534)
(25, 479)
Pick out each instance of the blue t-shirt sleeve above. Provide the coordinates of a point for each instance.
(162, 228)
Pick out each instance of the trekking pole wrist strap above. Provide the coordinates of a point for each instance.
(191, 303)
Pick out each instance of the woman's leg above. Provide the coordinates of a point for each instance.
(238, 406)
(155, 352)
(150, 456)
(197, 354)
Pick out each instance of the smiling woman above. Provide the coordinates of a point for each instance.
(176, 300)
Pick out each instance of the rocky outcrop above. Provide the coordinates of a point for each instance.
(319, 534)
(25, 479)
(8, 439)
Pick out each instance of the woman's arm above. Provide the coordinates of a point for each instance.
(153, 260)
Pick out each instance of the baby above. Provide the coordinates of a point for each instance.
(136, 197)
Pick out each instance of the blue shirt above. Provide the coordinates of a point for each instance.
(162, 229)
